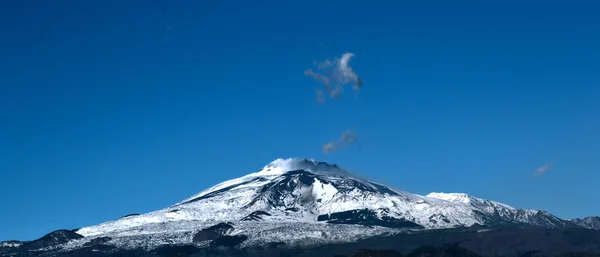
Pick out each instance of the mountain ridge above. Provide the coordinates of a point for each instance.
(591, 222)
(302, 202)
(302, 190)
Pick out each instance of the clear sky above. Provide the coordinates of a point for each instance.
(115, 107)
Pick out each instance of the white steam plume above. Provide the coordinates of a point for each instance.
(335, 75)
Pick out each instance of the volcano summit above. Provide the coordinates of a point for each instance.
(300, 203)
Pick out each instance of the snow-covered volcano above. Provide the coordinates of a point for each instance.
(314, 200)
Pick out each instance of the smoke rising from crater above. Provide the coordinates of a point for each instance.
(347, 139)
(335, 75)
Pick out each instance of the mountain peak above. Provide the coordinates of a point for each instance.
(275, 168)
(281, 166)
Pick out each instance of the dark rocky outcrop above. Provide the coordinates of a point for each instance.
(130, 215)
(366, 217)
(52, 239)
(213, 232)
(228, 241)
(257, 215)
(98, 241)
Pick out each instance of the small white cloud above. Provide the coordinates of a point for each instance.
(324, 65)
(318, 77)
(543, 169)
(347, 74)
(320, 96)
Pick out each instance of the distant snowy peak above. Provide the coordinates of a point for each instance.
(588, 222)
(468, 199)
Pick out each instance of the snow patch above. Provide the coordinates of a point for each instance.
(10, 244)
(451, 197)
(468, 199)
(323, 191)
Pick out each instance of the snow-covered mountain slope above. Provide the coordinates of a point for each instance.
(495, 213)
(592, 222)
(317, 200)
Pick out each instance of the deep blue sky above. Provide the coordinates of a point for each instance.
(116, 107)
